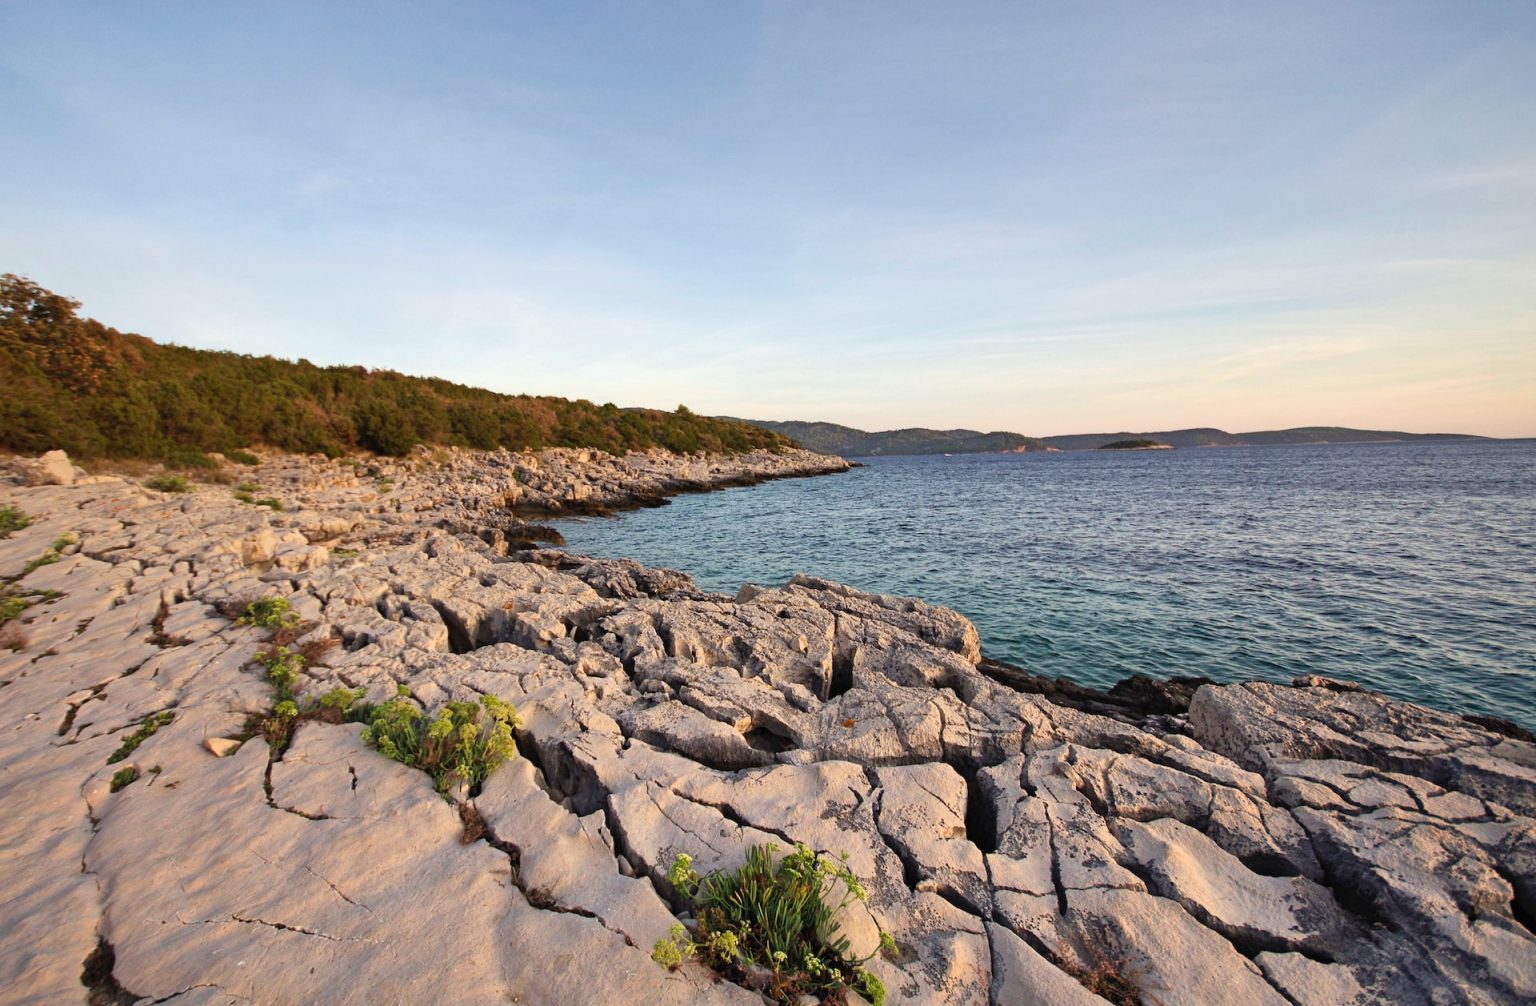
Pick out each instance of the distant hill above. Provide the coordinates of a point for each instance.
(73, 383)
(830, 438)
(1209, 437)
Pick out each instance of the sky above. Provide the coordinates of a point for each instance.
(1041, 217)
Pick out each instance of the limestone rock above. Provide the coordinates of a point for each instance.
(52, 468)
(222, 747)
(1311, 843)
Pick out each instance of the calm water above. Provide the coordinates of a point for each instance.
(1409, 568)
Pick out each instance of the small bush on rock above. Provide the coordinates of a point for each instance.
(148, 727)
(12, 519)
(269, 613)
(464, 742)
(768, 925)
(169, 484)
(12, 607)
(52, 555)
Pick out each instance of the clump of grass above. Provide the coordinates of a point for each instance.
(124, 777)
(148, 727)
(271, 502)
(243, 457)
(269, 613)
(12, 519)
(284, 667)
(169, 484)
(11, 606)
(344, 553)
(463, 743)
(769, 925)
(50, 556)
(15, 600)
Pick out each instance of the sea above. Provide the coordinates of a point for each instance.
(1407, 567)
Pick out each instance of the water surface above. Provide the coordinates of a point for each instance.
(1410, 568)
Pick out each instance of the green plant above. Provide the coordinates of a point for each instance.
(283, 667)
(52, 555)
(148, 726)
(773, 914)
(12, 519)
(188, 457)
(341, 699)
(271, 502)
(248, 488)
(124, 777)
(344, 553)
(464, 742)
(11, 607)
(169, 484)
(243, 457)
(269, 613)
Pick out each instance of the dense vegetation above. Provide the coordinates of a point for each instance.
(76, 384)
(845, 441)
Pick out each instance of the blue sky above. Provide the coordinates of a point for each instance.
(1047, 218)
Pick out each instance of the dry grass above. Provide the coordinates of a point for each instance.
(13, 637)
(315, 650)
(1106, 974)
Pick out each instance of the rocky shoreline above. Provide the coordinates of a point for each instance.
(1254, 843)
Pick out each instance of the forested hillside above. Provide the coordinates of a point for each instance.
(71, 382)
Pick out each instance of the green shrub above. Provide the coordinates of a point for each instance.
(187, 457)
(271, 502)
(283, 667)
(269, 613)
(464, 742)
(341, 699)
(169, 484)
(124, 777)
(12, 519)
(772, 915)
(242, 457)
(147, 729)
(12, 607)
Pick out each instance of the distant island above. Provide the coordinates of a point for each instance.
(845, 441)
(1136, 445)
(830, 438)
(1211, 437)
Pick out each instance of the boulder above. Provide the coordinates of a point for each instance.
(53, 468)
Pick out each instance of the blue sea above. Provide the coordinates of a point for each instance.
(1408, 567)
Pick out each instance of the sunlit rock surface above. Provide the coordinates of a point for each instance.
(1270, 844)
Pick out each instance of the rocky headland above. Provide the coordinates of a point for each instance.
(1021, 841)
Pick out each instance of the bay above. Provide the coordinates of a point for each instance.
(1410, 568)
